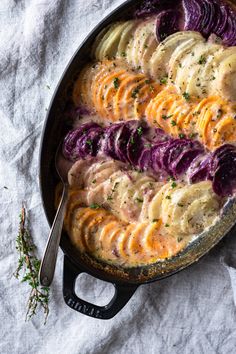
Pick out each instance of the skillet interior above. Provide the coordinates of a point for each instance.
(53, 132)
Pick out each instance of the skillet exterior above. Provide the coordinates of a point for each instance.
(54, 129)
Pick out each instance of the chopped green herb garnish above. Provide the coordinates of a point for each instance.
(202, 60)
(132, 140)
(95, 206)
(140, 131)
(116, 83)
(167, 225)
(186, 96)
(155, 220)
(180, 205)
(168, 197)
(174, 185)
(173, 123)
(123, 54)
(181, 136)
(219, 113)
(94, 181)
(135, 92)
(139, 200)
(150, 145)
(109, 197)
(165, 117)
(163, 80)
(89, 142)
(193, 135)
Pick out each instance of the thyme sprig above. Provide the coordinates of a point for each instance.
(28, 270)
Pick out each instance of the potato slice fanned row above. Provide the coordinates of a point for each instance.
(111, 237)
(101, 234)
(133, 41)
(113, 91)
(211, 120)
(116, 93)
(186, 59)
(126, 193)
(134, 196)
(196, 66)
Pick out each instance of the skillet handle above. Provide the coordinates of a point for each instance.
(122, 295)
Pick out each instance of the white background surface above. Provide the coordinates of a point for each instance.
(192, 312)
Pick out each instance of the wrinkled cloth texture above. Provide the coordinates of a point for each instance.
(191, 312)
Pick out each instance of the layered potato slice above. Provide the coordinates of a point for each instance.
(160, 60)
(134, 41)
(113, 91)
(142, 46)
(189, 76)
(114, 40)
(189, 209)
(178, 214)
(102, 235)
(203, 68)
(108, 183)
(82, 88)
(199, 81)
(226, 80)
(109, 44)
(213, 117)
(211, 120)
(136, 197)
(171, 112)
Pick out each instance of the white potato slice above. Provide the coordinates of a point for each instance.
(96, 195)
(126, 36)
(154, 210)
(200, 215)
(98, 41)
(98, 52)
(189, 66)
(110, 47)
(198, 84)
(160, 59)
(139, 44)
(101, 39)
(148, 53)
(76, 173)
(209, 70)
(179, 53)
(181, 200)
(226, 80)
(99, 172)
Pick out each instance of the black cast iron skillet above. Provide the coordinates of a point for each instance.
(125, 281)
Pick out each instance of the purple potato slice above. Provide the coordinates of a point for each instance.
(145, 159)
(88, 145)
(110, 137)
(199, 169)
(167, 23)
(193, 14)
(70, 141)
(182, 164)
(224, 181)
